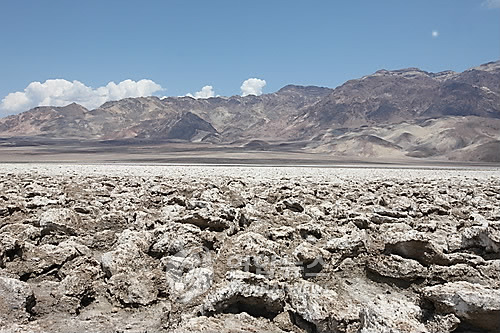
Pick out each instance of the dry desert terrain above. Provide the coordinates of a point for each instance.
(207, 248)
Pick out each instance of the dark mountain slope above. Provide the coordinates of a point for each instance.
(394, 96)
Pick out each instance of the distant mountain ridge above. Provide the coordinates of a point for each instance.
(354, 119)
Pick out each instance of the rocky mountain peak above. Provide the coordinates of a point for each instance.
(411, 72)
(73, 109)
(297, 113)
(493, 66)
(308, 90)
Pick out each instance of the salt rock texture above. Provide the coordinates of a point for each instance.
(102, 248)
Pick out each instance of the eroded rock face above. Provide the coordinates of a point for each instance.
(62, 220)
(396, 267)
(473, 303)
(133, 289)
(239, 252)
(16, 301)
(246, 292)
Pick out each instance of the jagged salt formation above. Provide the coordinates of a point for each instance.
(334, 250)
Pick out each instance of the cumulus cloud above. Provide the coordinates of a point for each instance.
(491, 3)
(60, 92)
(252, 86)
(205, 92)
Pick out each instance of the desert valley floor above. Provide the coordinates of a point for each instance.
(177, 248)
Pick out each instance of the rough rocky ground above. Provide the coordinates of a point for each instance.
(119, 248)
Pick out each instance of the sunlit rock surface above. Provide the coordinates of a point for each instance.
(131, 248)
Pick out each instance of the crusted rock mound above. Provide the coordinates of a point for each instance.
(289, 250)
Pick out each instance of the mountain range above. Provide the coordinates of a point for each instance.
(405, 114)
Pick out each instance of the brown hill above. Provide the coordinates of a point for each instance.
(407, 112)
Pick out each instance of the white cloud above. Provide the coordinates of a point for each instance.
(205, 92)
(491, 3)
(60, 92)
(252, 87)
(435, 33)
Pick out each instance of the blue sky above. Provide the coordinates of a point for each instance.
(183, 45)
